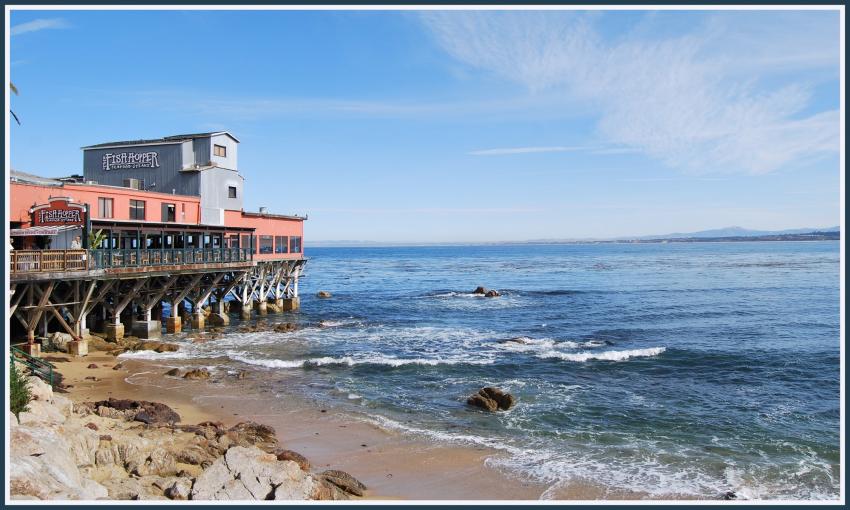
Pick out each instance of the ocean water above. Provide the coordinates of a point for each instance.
(666, 369)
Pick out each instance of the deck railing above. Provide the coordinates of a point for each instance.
(42, 261)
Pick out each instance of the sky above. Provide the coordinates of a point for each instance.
(460, 126)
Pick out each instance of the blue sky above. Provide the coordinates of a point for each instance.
(460, 126)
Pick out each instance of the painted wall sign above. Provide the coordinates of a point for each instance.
(60, 211)
(123, 160)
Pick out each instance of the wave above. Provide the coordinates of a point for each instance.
(352, 361)
(602, 356)
(528, 344)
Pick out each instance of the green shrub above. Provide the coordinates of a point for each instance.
(19, 390)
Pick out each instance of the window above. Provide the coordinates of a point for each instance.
(104, 207)
(231, 192)
(281, 244)
(248, 242)
(295, 244)
(220, 151)
(266, 244)
(234, 241)
(169, 212)
(137, 209)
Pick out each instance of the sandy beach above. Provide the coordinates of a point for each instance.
(391, 464)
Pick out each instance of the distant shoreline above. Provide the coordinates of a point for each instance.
(812, 236)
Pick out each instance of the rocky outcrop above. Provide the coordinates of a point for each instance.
(480, 290)
(152, 346)
(324, 294)
(139, 410)
(492, 293)
(174, 372)
(492, 399)
(58, 341)
(93, 450)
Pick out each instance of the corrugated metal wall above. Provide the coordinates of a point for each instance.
(167, 176)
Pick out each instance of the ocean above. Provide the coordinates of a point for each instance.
(671, 370)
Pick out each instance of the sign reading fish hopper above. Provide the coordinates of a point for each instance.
(61, 211)
(124, 160)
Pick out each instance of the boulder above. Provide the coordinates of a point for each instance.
(492, 293)
(197, 373)
(251, 474)
(323, 294)
(174, 372)
(118, 366)
(295, 457)
(58, 341)
(40, 390)
(195, 455)
(492, 399)
(480, 290)
(41, 412)
(92, 365)
(249, 433)
(344, 481)
(135, 345)
(159, 462)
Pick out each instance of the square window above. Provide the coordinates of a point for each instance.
(104, 207)
(220, 151)
(137, 209)
(231, 192)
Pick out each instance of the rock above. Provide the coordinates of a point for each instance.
(242, 374)
(58, 341)
(160, 462)
(197, 373)
(105, 437)
(323, 294)
(92, 378)
(492, 399)
(92, 425)
(92, 365)
(492, 293)
(41, 412)
(174, 372)
(729, 495)
(344, 481)
(483, 402)
(285, 327)
(194, 455)
(251, 474)
(152, 346)
(326, 491)
(124, 489)
(42, 466)
(140, 410)
(181, 489)
(249, 433)
(480, 290)
(40, 390)
(118, 366)
(295, 457)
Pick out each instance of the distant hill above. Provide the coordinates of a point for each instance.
(736, 232)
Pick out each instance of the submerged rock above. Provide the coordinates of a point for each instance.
(492, 293)
(285, 327)
(323, 294)
(492, 399)
(197, 373)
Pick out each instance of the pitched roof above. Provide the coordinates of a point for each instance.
(165, 139)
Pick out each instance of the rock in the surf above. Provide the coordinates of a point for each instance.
(492, 293)
(492, 399)
(197, 373)
(480, 290)
(323, 294)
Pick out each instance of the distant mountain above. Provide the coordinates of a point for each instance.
(735, 232)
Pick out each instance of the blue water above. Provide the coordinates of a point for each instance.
(667, 369)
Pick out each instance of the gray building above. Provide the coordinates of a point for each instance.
(199, 164)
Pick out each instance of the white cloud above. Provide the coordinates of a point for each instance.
(38, 24)
(523, 150)
(684, 99)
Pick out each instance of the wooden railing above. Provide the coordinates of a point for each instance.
(41, 261)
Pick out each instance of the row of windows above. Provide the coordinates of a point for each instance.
(267, 244)
(105, 209)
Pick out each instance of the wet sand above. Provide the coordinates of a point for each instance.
(392, 464)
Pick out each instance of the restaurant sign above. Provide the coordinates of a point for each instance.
(124, 160)
(60, 211)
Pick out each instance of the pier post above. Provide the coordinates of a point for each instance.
(115, 328)
(218, 317)
(290, 304)
(198, 318)
(262, 307)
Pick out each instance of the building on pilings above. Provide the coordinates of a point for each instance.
(152, 235)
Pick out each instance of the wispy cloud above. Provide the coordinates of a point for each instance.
(686, 100)
(524, 150)
(38, 24)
